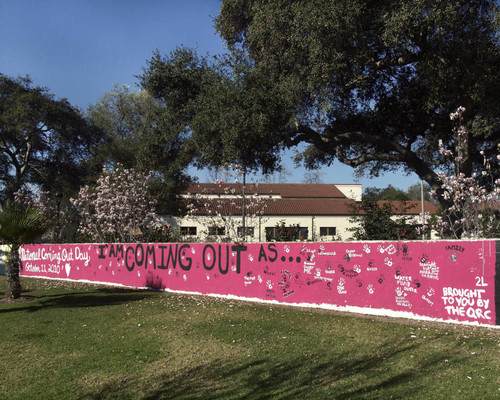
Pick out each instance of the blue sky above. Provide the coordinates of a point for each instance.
(79, 48)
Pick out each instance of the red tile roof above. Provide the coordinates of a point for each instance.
(281, 207)
(296, 199)
(285, 190)
(494, 206)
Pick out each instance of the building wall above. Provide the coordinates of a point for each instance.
(341, 223)
(312, 223)
(443, 280)
(351, 191)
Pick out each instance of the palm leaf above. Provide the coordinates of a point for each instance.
(21, 225)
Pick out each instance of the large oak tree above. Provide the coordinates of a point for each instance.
(369, 83)
(222, 110)
(44, 141)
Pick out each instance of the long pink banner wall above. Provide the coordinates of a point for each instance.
(444, 280)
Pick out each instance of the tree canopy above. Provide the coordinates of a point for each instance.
(414, 192)
(374, 82)
(143, 135)
(369, 83)
(377, 221)
(390, 193)
(43, 141)
(224, 110)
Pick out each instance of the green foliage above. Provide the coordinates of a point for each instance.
(284, 233)
(222, 107)
(159, 234)
(390, 193)
(371, 83)
(19, 225)
(143, 134)
(126, 117)
(376, 221)
(43, 141)
(415, 192)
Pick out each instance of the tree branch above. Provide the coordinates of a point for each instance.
(401, 61)
(393, 152)
(9, 152)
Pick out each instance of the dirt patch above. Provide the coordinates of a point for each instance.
(21, 299)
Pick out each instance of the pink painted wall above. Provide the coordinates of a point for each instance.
(448, 280)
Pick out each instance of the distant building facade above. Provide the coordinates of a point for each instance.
(315, 212)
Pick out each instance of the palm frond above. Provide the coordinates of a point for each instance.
(21, 225)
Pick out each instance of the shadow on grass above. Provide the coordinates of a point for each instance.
(101, 297)
(320, 376)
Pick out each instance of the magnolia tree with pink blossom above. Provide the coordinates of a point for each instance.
(34, 197)
(49, 206)
(118, 208)
(474, 200)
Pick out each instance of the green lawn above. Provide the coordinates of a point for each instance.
(80, 341)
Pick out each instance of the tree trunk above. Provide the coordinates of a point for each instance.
(13, 290)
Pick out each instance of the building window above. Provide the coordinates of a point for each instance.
(289, 233)
(216, 231)
(250, 231)
(304, 233)
(327, 231)
(188, 230)
(271, 233)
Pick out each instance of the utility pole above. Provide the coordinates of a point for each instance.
(423, 208)
(243, 212)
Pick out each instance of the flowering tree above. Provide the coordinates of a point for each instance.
(474, 199)
(223, 211)
(472, 213)
(118, 208)
(35, 198)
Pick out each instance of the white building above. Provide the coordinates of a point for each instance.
(321, 212)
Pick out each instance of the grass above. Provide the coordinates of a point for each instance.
(82, 341)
